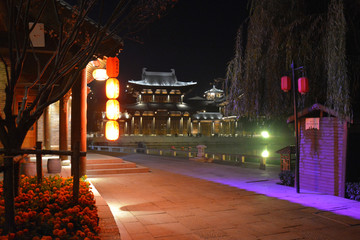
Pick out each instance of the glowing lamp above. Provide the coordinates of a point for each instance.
(112, 67)
(112, 109)
(112, 88)
(265, 154)
(112, 130)
(265, 134)
(303, 85)
(100, 74)
(285, 83)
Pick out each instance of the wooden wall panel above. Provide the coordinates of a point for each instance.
(322, 157)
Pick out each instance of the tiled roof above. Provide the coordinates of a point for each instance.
(287, 150)
(214, 90)
(160, 79)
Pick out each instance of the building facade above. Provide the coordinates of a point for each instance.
(160, 110)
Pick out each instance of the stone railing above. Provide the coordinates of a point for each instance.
(234, 159)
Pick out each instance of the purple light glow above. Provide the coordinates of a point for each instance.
(251, 179)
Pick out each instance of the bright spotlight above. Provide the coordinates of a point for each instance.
(265, 134)
(265, 154)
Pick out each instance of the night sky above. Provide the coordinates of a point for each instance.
(196, 38)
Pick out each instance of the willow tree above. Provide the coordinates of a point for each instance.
(74, 39)
(312, 34)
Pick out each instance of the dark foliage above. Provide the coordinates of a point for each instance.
(315, 35)
(287, 178)
(353, 190)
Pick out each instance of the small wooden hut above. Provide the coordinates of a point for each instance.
(286, 161)
(323, 150)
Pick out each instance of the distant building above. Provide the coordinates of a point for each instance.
(209, 119)
(159, 109)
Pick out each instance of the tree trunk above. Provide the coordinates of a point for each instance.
(9, 195)
(78, 119)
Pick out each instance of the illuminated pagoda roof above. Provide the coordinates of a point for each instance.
(214, 90)
(160, 79)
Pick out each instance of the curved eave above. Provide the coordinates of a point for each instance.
(183, 88)
(144, 83)
(156, 106)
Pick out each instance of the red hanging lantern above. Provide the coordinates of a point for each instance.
(112, 130)
(112, 67)
(112, 109)
(303, 85)
(112, 88)
(285, 83)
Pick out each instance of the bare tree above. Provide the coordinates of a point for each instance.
(73, 40)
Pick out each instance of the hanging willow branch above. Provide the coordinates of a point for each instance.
(338, 82)
(279, 32)
(234, 77)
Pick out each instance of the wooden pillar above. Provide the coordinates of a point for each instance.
(212, 128)
(181, 127)
(168, 125)
(153, 126)
(126, 127)
(189, 125)
(64, 124)
(47, 140)
(132, 125)
(78, 118)
(141, 125)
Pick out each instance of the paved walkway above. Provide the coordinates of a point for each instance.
(181, 199)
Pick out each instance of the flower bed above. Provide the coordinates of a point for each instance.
(46, 210)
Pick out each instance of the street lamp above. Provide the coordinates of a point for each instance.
(99, 74)
(303, 87)
(264, 155)
(265, 134)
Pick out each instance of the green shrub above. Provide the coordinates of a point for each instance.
(353, 190)
(287, 178)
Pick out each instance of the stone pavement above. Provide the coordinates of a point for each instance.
(181, 199)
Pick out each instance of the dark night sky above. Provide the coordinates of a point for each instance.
(196, 38)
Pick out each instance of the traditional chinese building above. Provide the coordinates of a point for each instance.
(209, 119)
(159, 108)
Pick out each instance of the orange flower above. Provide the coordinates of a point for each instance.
(62, 232)
(50, 203)
(46, 238)
(56, 232)
(70, 225)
